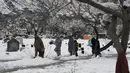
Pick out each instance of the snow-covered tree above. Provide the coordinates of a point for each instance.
(40, 14)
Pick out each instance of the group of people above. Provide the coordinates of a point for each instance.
(73, 46)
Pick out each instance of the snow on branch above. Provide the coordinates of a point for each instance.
(101, 7)
(127, 3)
(110, 5)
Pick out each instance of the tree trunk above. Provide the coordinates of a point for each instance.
(121, 65)
(35, 34)
(125, 31)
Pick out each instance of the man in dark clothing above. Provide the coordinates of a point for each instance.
(95, 46)
(97, 52)
(93, 40)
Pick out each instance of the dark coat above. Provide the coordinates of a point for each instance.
(71, 45)
(39, 46)
(95, 49)
(58, 43)
(76, 47)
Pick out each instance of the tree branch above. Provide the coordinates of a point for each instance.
(105, 9)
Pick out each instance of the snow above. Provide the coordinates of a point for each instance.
(3, 7)
(105, 16)
(88, 66)
(23, 62)
(126, 3)
(110, 5)
(68, 0)
(20, 4)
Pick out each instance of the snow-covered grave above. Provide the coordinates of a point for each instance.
(23, 62)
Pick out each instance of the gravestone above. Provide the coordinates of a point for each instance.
(12, 45)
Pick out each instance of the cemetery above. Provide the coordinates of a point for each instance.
(64, 36)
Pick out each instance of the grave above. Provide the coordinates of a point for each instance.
(12, 45)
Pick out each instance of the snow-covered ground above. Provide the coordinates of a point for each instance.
(23, 62)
